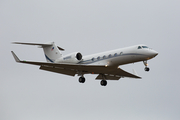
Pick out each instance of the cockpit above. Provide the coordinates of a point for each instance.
(141, 47)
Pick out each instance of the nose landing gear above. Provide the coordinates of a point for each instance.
(146, 68)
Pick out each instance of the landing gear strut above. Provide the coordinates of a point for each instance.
(82, 79)
(103, 82)
(146, 68)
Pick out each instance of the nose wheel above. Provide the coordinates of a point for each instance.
(146, 68)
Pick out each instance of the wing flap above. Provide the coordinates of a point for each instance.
(58, 70)
(108, 77)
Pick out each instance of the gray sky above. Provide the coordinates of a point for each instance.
(28, 93)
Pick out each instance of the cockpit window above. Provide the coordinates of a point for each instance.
(139, 47)
(144, 46)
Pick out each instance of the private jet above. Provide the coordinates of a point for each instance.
(104, 64)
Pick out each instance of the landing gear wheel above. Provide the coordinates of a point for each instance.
(82, 79)
(146, 69)
(103, 82)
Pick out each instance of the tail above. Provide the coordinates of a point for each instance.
(51, 51)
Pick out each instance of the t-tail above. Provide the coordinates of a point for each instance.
(51, 51)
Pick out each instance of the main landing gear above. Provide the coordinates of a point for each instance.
(146, 68)
(82, 79)
(103, 82)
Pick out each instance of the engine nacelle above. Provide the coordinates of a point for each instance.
(70, 58)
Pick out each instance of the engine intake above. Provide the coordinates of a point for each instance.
(79, 56)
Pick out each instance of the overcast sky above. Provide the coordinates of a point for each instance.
(89, 26)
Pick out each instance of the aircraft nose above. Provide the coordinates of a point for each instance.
(154, 53)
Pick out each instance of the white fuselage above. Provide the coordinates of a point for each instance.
(119, 56)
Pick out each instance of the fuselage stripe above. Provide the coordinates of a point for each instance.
(49, 59)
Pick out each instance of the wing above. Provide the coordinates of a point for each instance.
(110, 73)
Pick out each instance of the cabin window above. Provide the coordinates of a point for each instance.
(109, 55)
(98, 58)
(92, 59)
(139, 47)
(104, 56)
(115, 54)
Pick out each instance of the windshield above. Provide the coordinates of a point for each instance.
(139, 47)
(144, 46)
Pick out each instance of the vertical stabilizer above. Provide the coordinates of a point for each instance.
(51, 52)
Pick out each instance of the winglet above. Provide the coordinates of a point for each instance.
(15, 57)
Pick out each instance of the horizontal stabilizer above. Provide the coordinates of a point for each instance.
(48, 44)
(60, 48)
(39, 44)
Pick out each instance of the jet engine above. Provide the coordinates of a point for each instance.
(70, 58)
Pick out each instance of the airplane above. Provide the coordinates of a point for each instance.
(104, 64)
